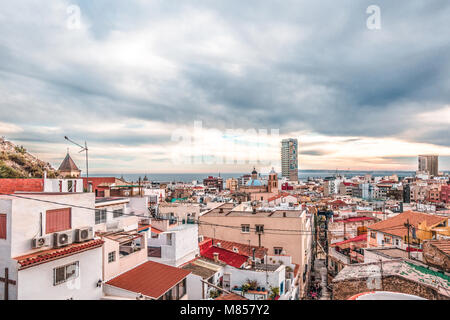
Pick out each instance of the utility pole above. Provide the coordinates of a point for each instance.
(407, 239)
(381, 271)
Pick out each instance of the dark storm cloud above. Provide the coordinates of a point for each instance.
(300, 65)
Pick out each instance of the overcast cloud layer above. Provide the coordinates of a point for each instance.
(136, 71)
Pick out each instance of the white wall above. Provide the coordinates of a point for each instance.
(52, 185)
(184, 245)
(5, 251)
(36, 283)
(240, 276)
(25, 221)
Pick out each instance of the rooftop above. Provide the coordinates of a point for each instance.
(360, 238)
(415, 272)
(237, 260)
(242, 248)
(230, 296)
(68, 164)
(43, 256)
(395, 224)
(390, 252)
(151, 279)
(442, 245)
(201, 271)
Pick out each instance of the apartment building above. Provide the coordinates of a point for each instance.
(47, 247)
(282, 230)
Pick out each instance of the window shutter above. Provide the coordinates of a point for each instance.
(58, 220)
(3, 228)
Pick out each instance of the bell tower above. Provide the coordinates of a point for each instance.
(273, 181)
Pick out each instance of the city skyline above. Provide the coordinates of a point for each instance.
(126, 77)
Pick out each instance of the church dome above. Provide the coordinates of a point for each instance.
(254, 183)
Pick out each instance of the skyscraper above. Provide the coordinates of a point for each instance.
(429, 164)
(289, 159)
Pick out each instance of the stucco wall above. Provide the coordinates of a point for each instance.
(343, 290)
(37, 282)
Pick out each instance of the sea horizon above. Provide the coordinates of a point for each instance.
(303, 175)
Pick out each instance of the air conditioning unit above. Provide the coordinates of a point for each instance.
(84, 234)
(61, 239)
(39, 242)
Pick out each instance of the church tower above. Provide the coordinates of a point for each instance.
(272, 184)
(68, 168)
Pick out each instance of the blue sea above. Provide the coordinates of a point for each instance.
(303, 175)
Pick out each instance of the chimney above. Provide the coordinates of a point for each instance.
(216, 256)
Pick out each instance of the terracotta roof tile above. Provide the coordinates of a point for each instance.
(359, 238)
(230, 296)
(394, 225)
(242, 248)
(151, 279)
(443, 245)
(233, 259)
(44, 256)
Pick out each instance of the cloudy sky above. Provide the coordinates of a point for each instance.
(202, 86)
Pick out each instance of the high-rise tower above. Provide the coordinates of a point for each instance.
(429, 164)
(289, 159)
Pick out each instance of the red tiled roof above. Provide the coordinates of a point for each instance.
(230, 296)
(233, 259)
(395, 225)
(154, 230)
(151, 279)
(44, 256)
(27, 185)
(244, 249)
(337, 203)
(283, 194)
(359, 238)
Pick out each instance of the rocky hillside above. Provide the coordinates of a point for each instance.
(16, 162)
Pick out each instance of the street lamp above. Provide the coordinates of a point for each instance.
(85, 148)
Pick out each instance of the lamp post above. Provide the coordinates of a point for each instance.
(85, 148)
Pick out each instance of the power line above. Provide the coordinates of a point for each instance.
(281, 231)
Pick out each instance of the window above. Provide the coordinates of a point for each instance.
(259, 228)
(117, 213)
(397, 242)
(373, 235)
(69, 186)
(100, 216)
(3, 226)
(58, 220)
(111, 256)
(245, 228)
(387, 239)
(277, 250)
(65, 273)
